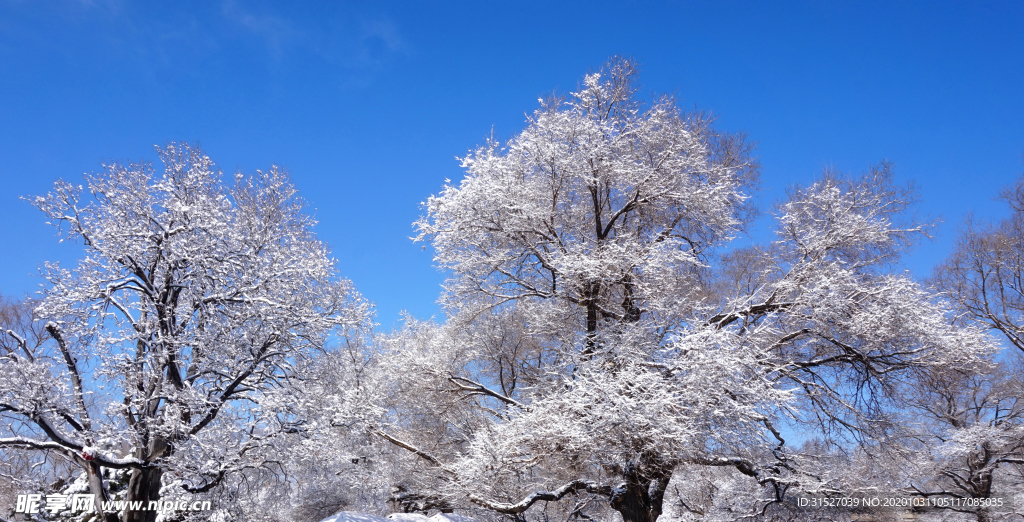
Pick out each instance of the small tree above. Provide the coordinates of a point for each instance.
(193, 300)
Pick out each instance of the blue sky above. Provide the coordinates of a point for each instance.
(367, 104)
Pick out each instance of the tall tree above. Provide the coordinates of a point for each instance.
(600, 215)
(595, 233)
(193, 299)
(979, 412)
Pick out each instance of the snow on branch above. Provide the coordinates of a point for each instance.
(546, 496)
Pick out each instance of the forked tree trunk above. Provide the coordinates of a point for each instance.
(980, 481)
(143, 486)
(641, 496)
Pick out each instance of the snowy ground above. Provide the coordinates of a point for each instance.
(351, 516)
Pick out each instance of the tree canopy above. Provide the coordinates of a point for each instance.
(192, 301)
(605, 337)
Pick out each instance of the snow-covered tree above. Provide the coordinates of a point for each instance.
(599, 339)
(194, 298)
(23, 471)
(985, 273)
(596, 187)
(329, 458)
(966, 438)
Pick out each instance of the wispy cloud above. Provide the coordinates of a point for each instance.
(276, 31)
(356, 47)
(379, 40)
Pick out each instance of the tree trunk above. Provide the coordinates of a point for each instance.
(95, 475)
(640, 497)
(981, 480)
(144, 486)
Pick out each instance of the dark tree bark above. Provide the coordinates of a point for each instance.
(641, 496)
(94, 473)
(144, 486)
